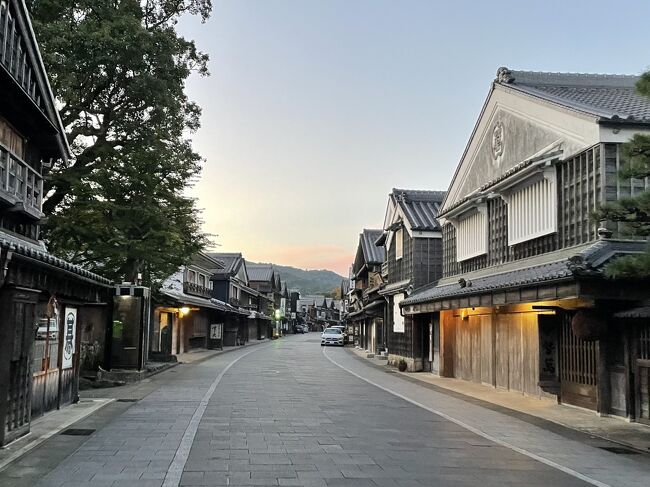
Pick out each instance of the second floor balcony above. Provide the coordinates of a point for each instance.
(21, 187)
(196, 289)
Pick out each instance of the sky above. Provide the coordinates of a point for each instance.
(315, 110)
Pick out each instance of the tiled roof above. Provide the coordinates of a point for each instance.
(419, 207)
(607, 96)
(172, 287)
(39, 252)
(560, 265)
(230, 261)
(639, 312)
(260, 272)
(372, 254)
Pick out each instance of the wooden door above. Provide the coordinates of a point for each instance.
(16, 345)
(578, 368)
(643, 373)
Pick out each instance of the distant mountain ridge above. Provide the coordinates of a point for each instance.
(310, 281)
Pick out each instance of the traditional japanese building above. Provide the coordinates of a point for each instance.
(366, 308)
(523, 304)
(413, 247)
(182, 318)
(231, 285)
(54, 315)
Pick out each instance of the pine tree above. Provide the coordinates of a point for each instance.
(633, 212)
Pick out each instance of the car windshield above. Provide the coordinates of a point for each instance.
(332, 331)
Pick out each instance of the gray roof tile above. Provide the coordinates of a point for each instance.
(372, 254)
(230, 261)
(420, 207)
(607, 96)
(260, 272)
(583, 260)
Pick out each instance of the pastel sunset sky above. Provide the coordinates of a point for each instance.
(314, 110)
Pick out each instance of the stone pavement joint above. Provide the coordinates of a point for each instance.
(175, 471)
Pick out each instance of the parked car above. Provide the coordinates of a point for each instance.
(42, 331)
(332, 336)
(343, 328)
(299, 329)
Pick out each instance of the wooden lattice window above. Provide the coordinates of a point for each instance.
(644, 341)
(578, 358)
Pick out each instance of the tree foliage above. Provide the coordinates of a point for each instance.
(634, 211)
(118, 69)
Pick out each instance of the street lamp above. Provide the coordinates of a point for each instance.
(278, 316)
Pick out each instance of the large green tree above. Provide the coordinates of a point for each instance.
(634, 211)
(118, 69)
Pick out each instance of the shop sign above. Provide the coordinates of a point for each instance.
(216, 331)
(69, 335)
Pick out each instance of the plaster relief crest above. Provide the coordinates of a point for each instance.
(498, 142)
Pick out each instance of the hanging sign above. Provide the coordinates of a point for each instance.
(69, 335)
(216, 331)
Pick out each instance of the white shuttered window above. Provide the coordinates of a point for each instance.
(532, 212)
(398, 319)
(471, 235)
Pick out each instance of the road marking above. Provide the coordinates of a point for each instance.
(175, 470)
(477, 431)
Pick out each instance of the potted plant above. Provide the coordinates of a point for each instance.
(401, 365)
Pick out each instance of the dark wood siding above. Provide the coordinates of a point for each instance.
(427, 260)
(580, 180)
(398, 270)
(407, 344)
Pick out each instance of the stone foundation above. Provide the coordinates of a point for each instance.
(411, 364)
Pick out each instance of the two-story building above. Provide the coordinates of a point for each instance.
(523, 304)
(46, 303)
(231, 285)
(413, 247)
(181, 321)
(367, 305)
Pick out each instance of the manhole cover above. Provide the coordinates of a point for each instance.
(126, 400)
(78, 432)
(619, 450)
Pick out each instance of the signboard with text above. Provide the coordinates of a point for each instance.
(216, 331)
(69, 336)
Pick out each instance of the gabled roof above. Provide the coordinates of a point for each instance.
(372, 254)
(565, 264)
(607, 96)
(260, 272)
(41, 97)
(231, 262)
(38, 252)
(419, 207)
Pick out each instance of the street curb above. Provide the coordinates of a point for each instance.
(547, 424)
(37, 441)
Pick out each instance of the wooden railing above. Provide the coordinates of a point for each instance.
(196, 289)
(13, 54)
(20, 183)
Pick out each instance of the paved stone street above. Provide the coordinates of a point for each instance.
(290, 413)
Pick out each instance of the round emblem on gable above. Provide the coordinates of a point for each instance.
(497, 140)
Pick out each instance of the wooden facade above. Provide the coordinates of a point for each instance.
(413, 244)
(516, 297)
(50, 308)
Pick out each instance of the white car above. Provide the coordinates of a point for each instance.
(332, 336)
(42, 331)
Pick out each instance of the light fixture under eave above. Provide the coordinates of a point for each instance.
(184, 311)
